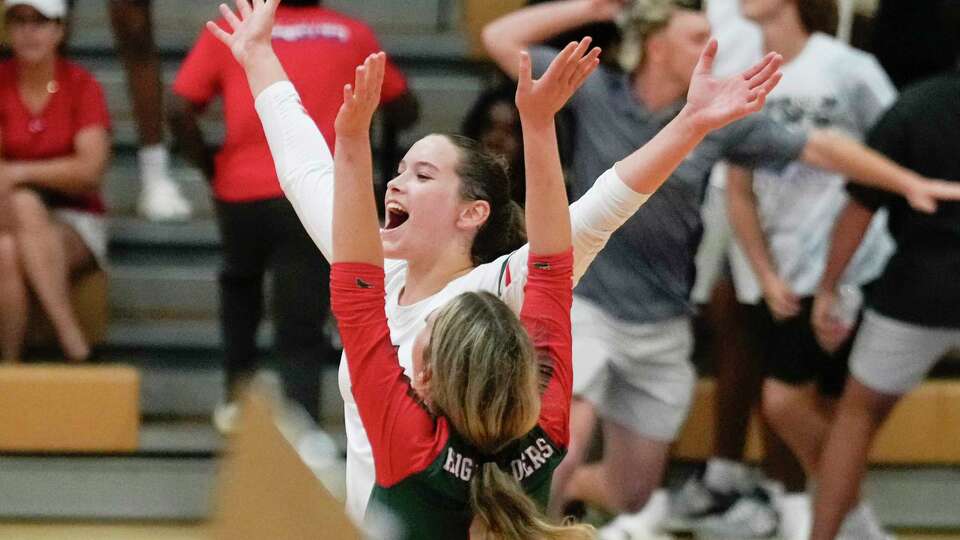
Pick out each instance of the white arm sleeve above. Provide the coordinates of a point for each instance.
(303, 160)
(593, 218)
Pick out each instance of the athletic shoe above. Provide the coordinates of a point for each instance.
(161, 200)
(642, 525)
(750, 517)
(694, 502)
(862, 524)
(225, 417)
(796, 515)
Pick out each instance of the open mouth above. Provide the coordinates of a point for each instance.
(396, 216)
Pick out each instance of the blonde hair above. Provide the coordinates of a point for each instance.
(486, 383)
(641, 19)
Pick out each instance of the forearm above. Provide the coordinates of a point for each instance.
(70, 175)
(851, 226)
(745, 222)
(836, 152)
(187, 135)
(302, 159)
(505, 37)
(647, 168)
(356, 235)
(263, 68)
(547, 208)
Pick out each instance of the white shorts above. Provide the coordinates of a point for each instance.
(91, 227)
(637, 375)
(893, 357)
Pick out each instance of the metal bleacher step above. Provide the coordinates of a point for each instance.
(167, 334)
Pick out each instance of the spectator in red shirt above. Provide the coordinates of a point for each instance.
(54, 146)
(320, 50)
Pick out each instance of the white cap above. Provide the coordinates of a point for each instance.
(51, 9)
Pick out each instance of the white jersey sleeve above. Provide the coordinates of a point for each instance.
(303, 160)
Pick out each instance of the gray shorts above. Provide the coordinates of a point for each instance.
(893, 357)
(637, 375)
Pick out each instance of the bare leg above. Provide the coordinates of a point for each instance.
(583, 420)
(631, 469)
(134, 37)
(860, 414)
(14, 306)
(795, 413)
(737, 372)
(48, 250)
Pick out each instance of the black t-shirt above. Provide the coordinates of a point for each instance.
(921, 283)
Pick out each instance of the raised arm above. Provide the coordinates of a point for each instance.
(507, 36)
(834, 151)
(711, 104)
(539, 101)
(356, 235)
(300, 153)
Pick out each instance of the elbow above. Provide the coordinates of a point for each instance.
(498, 45)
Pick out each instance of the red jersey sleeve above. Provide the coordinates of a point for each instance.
(198, 80)
(548, 297)
(404, 437)
(90, 105)
(394, 83)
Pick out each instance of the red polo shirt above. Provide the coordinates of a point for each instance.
(319, 49)
(78, 103)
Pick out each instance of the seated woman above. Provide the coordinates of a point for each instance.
(485, 420)
(54, 147)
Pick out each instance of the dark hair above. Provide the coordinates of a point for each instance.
(477, 123)
(484, 177)
(819, 16)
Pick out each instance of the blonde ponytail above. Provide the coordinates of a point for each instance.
(502, 511)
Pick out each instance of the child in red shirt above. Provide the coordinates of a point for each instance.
(54, 147)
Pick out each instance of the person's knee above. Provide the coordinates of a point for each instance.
(859, 398)
(30, 212)
(777, 402)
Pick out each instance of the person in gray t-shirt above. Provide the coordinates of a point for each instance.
(631, 317)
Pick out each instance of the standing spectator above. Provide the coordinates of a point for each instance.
(259, 229)
(632, 337)
(160, 196)
(913, 317)
(783, 222)
(54, 146)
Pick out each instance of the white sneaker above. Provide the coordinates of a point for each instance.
(161, 200)
(643, 525)
(796, 515)
(225, 417)
(862, 524)
(751, 517)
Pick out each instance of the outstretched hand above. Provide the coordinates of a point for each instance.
(361, 100)
(252, 27)
(541, 99)
(928, 192)
(717, 102)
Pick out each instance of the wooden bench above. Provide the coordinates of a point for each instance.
(923, 429)
(57, 408)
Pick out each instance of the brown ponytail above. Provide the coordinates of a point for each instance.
(484, 177)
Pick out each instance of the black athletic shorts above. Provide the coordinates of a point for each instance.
(790, 352)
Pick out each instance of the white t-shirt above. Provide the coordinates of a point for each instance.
(828, 85)
(305, 169)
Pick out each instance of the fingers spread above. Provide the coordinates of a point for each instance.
(243, 8)
(228, 15)
(771, 65)
(525, 72)
(586, 66)
(570, 67)
(218, 32)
